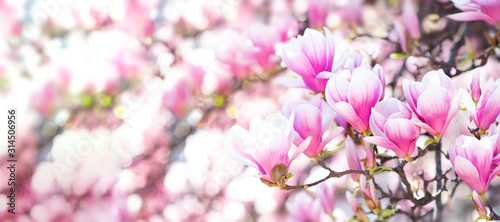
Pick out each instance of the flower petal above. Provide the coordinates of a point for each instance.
(472, 16)
(336, 90)
(487, 114)
(402, 133)
(468, 172)
(300, 149)
(234, 146)
(297, 62)
(385, 143)
(314, 48)
(346, 110)
(364, 92)
(434, 106)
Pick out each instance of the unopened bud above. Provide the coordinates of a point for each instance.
(475, 88)
(478, 203)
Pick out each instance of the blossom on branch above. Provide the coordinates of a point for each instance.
(434, 101)
(472, 159)
(265, 146)
(486, 10)
(392, 129)
(354, 99)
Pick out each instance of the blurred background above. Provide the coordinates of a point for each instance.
(122, 105)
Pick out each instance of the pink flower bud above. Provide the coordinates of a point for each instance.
(410, 19)
(352, 157)
(369, 194)
(434, 101)
(392, 129)
(326, 195)
(475, 87)
(478, 203)
(317, 11)
(488, 106)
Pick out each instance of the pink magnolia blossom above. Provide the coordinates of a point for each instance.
(434, 101)
(410, 19)
(309, 56)
(236, 55)
(401, 33)
(326, 195)
(267, 37)
(354, 99)
(391, 126)
(486, 10)
(312, 120)
(352, 157)
(488, 106)
(265, 146)
(304, 208)
(317, 11)
(472, 160)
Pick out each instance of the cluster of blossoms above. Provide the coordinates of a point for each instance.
(350, 104)
(127, 109)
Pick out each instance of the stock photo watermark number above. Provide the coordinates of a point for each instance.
(11, 160)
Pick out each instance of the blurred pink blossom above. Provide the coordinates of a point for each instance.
(317, 11)
(410, 19)
(486, 10)
(326, 195)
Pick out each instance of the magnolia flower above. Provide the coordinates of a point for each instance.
(410, 19)
(326, 195)
(317, 11)
(267, 37)
(392, 129)
(309, 56)
(312, 120)
(434, 101)
(304, 208)
(488, 106)
(486, 10)
(265, 146)
(354, 99)
(472, 160)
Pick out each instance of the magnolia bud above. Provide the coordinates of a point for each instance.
(475, 89)
(478, 203)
